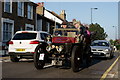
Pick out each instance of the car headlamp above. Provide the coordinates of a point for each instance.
(59, 49)
(48, 48)
(53, 46)
(106, 49)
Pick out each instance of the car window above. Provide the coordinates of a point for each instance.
(100, 44)
(43, 36)
(25, 36)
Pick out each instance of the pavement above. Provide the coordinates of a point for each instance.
(114, 72)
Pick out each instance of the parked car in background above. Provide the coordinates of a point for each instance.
(102, 48)
(24, 43)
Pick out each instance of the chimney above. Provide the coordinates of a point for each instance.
(40, 8)
(41, 4)
(63, 15)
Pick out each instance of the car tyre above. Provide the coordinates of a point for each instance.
(39, 64)
(14, 58)
(75, 59)
(88, 58)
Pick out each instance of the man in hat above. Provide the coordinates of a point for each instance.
(64, 26)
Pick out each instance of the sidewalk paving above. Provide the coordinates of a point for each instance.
(115, 72)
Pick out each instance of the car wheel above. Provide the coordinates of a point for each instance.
(39, 63)
(75, 59)
(14, 58)
(110, 56)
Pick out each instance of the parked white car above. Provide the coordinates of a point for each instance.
(24, 43)
(102, 48)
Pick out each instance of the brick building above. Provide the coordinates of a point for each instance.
(16, 16)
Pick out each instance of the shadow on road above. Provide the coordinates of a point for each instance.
(95, 60)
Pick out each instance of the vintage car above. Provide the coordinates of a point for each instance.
(63, 48)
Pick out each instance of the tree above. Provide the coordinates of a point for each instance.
(99, 33)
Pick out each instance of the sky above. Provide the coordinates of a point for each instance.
(106, 15)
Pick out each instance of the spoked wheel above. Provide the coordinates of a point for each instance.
(75, 59)
(39, 58)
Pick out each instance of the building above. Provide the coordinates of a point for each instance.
(63, 15)
(16, 16)
(47, 20)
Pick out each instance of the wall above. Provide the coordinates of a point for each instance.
(52, 17)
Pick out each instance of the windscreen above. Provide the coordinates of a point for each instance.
(100, 44)
(65, 33)
(25, 36)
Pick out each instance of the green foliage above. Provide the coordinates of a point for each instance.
(99, 32)
(112, 42)
(118, 47)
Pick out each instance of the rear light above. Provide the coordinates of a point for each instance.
(34, 42)
(32, 52)
(10, 42)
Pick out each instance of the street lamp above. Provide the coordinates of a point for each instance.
(91, 13)
(115, 31)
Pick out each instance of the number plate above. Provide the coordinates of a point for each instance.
(97, 53)
(20, 49)
(41, 57)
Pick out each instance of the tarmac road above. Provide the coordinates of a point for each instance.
(25, 70)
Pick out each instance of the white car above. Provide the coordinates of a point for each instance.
(24, 43)
(102, 48)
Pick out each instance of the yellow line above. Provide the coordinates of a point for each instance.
(108, 70)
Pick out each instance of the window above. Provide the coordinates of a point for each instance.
(25, 36)
(30, 12)
(100, 44)
(29, 27)
(43, 36)
(48, 27)
(20, 8)
(7, 31)
(8, 6)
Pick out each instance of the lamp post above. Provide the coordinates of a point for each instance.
(91, 13)
(115, 32)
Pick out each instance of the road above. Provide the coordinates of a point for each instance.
(25, 70)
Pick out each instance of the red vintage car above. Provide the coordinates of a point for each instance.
(63, 48)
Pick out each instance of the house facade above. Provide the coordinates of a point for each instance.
(47, 20)
(16, 16)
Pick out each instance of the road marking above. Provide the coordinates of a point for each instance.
(108, 70)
